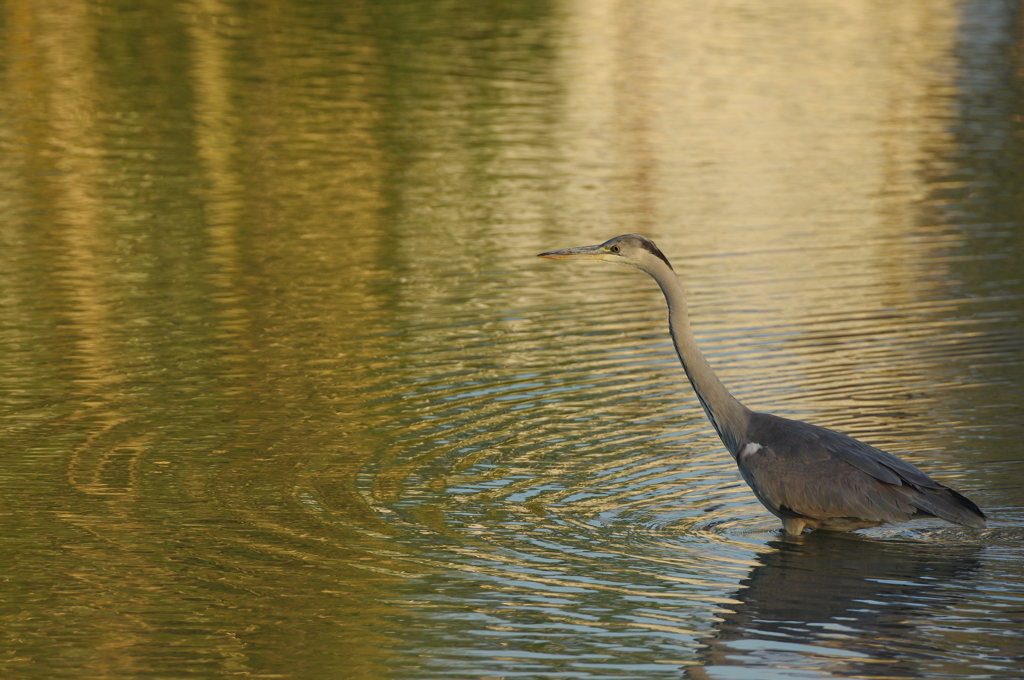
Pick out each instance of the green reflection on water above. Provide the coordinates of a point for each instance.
(202, 281)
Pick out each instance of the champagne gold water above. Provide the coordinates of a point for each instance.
(287, 394)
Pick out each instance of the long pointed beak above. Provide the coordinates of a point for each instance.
(578, 253)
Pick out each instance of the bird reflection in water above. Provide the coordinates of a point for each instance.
(839, 604)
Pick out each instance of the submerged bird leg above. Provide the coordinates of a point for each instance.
(794, 525)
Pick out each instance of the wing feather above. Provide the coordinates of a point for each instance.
(809, 471)
(824, 489)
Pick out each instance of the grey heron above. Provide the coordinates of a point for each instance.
(808, 476)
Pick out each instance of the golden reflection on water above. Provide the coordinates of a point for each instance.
(291, 391)
(216, 143)
(820, 130)
(774, 161)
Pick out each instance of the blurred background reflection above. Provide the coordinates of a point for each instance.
(286, 392)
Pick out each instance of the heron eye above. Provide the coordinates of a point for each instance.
(614, 249)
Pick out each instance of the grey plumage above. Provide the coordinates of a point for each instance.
(835, 481)
(808, 476)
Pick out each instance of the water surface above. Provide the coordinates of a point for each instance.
(286, 392)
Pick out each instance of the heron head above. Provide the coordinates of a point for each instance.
(630, 250)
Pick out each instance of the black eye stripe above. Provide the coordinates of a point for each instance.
(653, 249)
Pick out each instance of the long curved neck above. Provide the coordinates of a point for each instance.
(729, 417)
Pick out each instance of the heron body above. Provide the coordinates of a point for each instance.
(808, 476)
